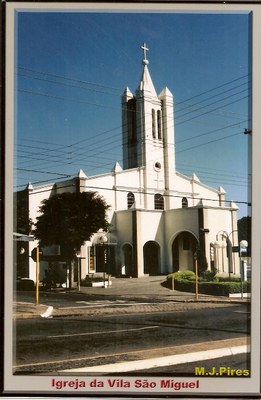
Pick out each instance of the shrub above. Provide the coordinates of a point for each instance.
(183, 275)
(231, 278)
(223, 288)
(184, 281)
(208, 276)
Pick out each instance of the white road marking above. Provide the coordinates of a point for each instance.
(242, 312)
(96, 305)
(162, 361)
(103, 332)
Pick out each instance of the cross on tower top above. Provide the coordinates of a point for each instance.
(145, 49)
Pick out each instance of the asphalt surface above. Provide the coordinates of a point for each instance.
(125, 296)
(132, 295)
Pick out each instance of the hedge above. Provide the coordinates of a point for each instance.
(184, 281)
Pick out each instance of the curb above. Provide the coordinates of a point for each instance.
(176, 359)
(133, 308)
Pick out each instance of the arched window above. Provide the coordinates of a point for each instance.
(153, 123)
(184, 202)
(130, 199)
(158, 201)
(159, 125)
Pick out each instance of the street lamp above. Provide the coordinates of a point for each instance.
(243, 245)
(196, 273)
(110, 244)
(103, 240)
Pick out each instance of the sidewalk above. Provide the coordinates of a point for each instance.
(132, 295)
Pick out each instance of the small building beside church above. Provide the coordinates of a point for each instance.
(160, 219)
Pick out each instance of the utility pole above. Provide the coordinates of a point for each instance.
(196, 274)
(37, 275)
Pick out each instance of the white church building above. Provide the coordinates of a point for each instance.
(159, 217)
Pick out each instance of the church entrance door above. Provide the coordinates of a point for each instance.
(183, 248)
(128, 260)
(151, 257)
(105, 259)
(100, 258)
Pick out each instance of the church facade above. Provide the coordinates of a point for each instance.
(161, 220)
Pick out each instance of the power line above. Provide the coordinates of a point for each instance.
(215, 88)
(65, 98)
(66, 85)
(97, 188)
(69, 79)
(93, 154)
(113, 148)
(42, 172)
(211, 111)
(60, 98)
(217, 170)
(111, 139)
(210, 142)
(214, 102)
(119, 90)
(210, 132)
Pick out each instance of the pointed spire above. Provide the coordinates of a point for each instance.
(233, 205)
(117, 167)
(194, 178)
(30, 187)
(165, 93)
(146, 84)
(82, 175)
(221, 190)
(127, 94)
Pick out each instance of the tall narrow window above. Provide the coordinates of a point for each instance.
(159, 125)
(153, 115)
(158, 201)
(184, 202)
(131, 109)
(130, 199)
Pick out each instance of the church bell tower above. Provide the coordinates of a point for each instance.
(148, 132)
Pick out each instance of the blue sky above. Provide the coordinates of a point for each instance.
(72, 68)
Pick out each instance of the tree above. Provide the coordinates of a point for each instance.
(22, 225)
(70, 219)
(22, 222)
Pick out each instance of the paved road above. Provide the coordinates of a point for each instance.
(131, 295)
(75, 341)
